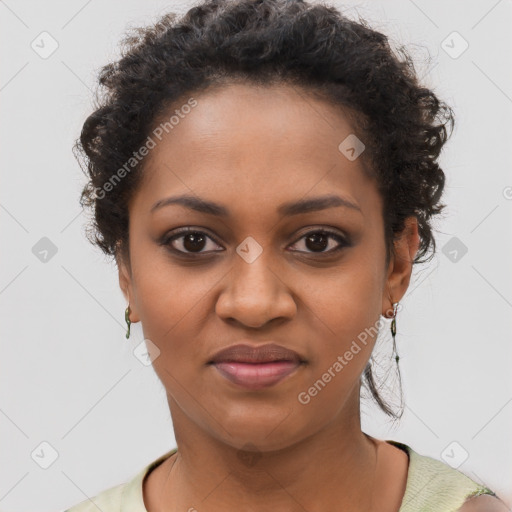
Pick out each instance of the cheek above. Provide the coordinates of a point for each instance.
(170, 307)
(168, 296)
(350, 299)
(174, 304)
(345, 320)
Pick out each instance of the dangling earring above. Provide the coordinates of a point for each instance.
(127, 320)
(393, 330)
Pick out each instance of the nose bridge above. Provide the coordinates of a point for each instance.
(252, 270)
(255, 292)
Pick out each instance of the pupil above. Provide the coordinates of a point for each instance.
(314, 238)
(193, 241)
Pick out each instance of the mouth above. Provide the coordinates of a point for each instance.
(256, 367)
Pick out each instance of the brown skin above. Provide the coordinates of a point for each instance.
(252, 149)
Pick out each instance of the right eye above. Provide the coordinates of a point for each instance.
(187, 241)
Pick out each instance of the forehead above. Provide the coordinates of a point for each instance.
(260, 144)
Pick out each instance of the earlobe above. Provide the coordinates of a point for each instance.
(387, 302)
(400, 268)
(132, 313)
(124, 280)
(126, 287)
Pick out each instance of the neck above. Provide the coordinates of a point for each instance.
(331, 470)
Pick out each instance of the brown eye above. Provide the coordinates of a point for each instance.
(189, 241)
(318, 242)
(193, 242)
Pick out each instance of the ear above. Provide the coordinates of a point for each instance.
(400, 266)
(126, 285)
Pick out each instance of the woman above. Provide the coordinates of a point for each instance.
(264, 173)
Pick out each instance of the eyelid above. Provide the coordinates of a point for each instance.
(325, 230)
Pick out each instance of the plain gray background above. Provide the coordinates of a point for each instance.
(69, 376)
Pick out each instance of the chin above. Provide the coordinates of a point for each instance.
(264, 432)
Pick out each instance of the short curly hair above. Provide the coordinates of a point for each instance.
(313, 46)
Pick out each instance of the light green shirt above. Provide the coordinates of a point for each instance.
(432, 486)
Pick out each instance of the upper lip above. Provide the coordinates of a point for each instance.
(243, 353)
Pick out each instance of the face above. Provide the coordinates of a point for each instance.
(260, 266)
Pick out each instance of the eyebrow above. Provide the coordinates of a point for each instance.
(286, 209)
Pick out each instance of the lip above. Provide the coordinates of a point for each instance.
(256, 367)
(245, 353)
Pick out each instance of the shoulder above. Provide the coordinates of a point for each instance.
(434, 485)
(484, 503)
(128, 495)
(107, 501)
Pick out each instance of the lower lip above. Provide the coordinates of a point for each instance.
(257, 375)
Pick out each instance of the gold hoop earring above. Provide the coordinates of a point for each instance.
(127, 320)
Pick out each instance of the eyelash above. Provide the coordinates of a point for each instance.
(181, 232)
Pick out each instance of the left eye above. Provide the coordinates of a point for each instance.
(194, 241)
(319, 240)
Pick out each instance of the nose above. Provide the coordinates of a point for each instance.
(255, 294)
